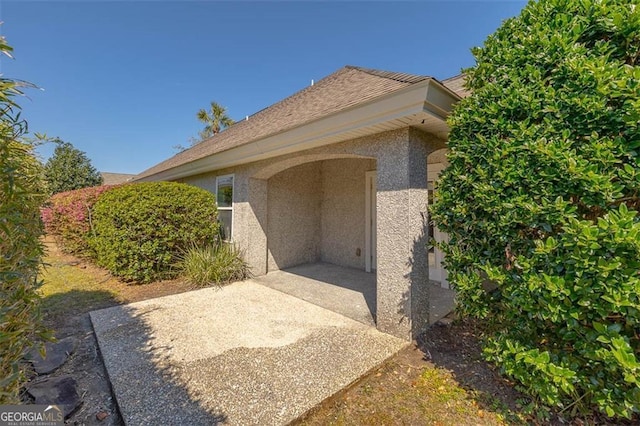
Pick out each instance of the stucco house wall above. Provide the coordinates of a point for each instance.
(343, 211)
(316, 211)
(400, 158)
(299, 180)
(294, 202)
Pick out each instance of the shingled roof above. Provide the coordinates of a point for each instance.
(116, 178)
(456, 85)
(345, 88)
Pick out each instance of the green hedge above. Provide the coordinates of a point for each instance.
(141, 228)
(541, 198)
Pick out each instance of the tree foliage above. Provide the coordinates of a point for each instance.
(541, 200)
(21, 193)
(215, 120)
(69, 169)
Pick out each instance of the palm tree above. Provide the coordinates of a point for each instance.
(215, 120)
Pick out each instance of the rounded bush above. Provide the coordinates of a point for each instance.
(141, 229)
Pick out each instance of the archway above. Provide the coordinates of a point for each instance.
(316, 231)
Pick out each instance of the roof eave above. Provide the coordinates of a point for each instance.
(427, 98)
(440, 100)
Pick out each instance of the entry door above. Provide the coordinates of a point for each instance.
(370, 222)
(436, 270)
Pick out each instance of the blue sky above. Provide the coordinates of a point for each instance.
(123, 80)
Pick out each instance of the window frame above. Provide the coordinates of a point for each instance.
(233, 190)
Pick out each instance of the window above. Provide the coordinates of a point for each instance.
(224, 198)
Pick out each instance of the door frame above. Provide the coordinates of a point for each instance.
(370, 220)
(436, 271)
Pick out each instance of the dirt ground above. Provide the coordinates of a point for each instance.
(441, 380)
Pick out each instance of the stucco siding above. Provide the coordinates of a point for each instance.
(439, 156)
(289, 210)
(343, 211)
(293, 217)
(205, 181)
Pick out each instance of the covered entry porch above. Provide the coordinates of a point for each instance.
(314, 206)
(290, 200)
(347, 291)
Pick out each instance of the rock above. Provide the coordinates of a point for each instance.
(427, 355)
(57, 354)
(61, 391)
(445, 321)
(102, 415)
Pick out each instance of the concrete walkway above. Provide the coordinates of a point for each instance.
(244, 354)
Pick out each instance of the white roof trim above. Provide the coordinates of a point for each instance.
(428, 97)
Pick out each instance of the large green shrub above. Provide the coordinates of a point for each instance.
(141, 228)
(21, 193)
(67, 218)
(541, 200)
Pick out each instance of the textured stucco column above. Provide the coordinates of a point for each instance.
(402, 274)
(255, 222)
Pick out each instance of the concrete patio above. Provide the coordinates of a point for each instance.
(243, 354)
(347, 291)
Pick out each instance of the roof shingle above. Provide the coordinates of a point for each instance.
(347, 87)
(456, 85)
(116, 178)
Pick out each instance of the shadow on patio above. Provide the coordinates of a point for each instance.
(242, 354)
(140, 372)
(347, 291)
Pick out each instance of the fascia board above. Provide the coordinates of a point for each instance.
(439, 100)
(406, 102)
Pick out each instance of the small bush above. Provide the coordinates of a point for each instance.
(21, 192)
(141, 228)
(67, 218)
(219, 263)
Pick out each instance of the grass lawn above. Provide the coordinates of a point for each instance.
(432, 397)
(73, 287)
